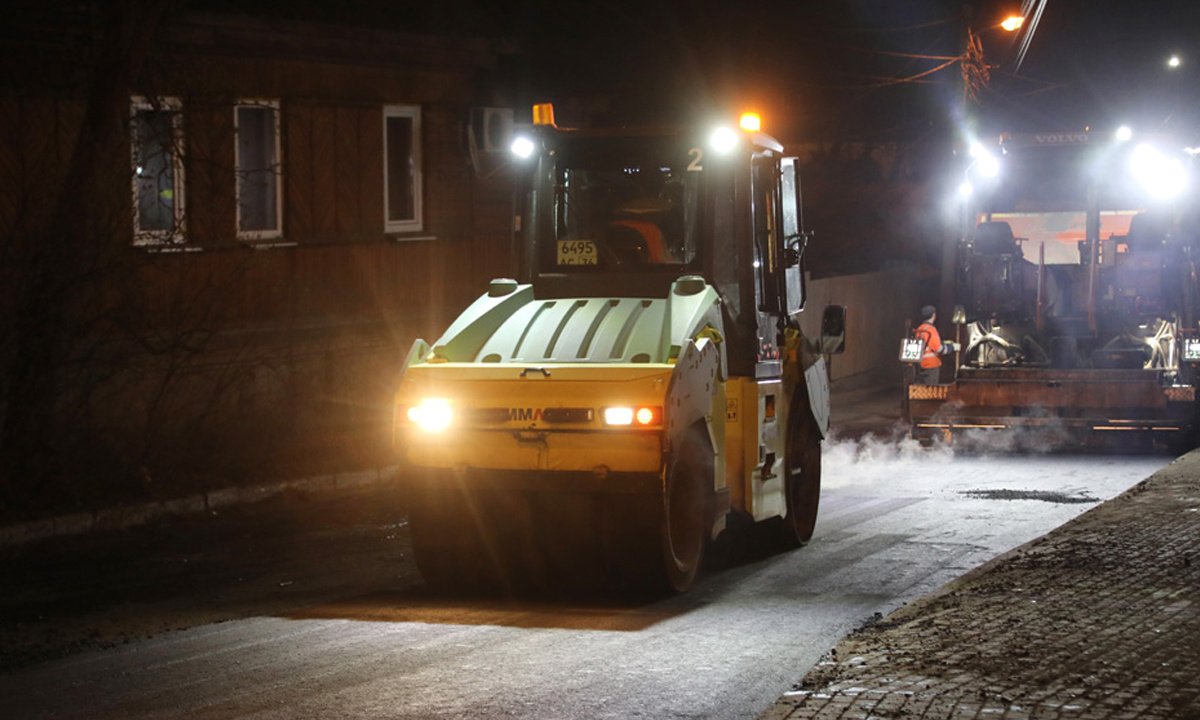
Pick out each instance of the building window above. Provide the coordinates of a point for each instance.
(259, 190)
(402, 168)
(156, 127)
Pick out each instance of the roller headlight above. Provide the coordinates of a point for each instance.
(644, 416)
(522, 147)
(431, 415)
(723, 140)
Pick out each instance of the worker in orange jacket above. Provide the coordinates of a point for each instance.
(931, 365)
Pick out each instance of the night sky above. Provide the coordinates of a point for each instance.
(820, 69)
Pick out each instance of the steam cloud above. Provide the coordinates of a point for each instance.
(878, 455)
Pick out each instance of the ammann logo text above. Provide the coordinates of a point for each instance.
(524, 414)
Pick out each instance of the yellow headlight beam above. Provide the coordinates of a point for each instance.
(618, 416)
(431, 415)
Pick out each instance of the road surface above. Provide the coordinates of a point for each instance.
(332, 621)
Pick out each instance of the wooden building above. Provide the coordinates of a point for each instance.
(295, 204)
(344, 157)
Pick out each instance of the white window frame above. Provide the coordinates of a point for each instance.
(253, 235)
(416, 223)
(177, 233)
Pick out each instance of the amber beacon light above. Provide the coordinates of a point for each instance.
(543, 114)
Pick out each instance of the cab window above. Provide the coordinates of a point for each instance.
(631, 215)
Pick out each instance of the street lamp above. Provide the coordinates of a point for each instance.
(989, 167)
(983, 167)
(981, 171)
(1172, 86)
(1012, 23)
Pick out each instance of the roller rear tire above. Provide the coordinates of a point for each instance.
(803, 488)
(685, 523)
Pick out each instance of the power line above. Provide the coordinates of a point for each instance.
(1030, 27)
(898, 54)
(888, 81)
(899, 29)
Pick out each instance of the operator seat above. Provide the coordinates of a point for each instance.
(1147, 231)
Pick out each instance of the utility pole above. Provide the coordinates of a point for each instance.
(962, 225)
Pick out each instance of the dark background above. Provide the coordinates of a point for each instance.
(817, 69)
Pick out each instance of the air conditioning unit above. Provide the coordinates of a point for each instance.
(491, 129)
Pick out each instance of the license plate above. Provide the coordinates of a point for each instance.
(577, 252)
